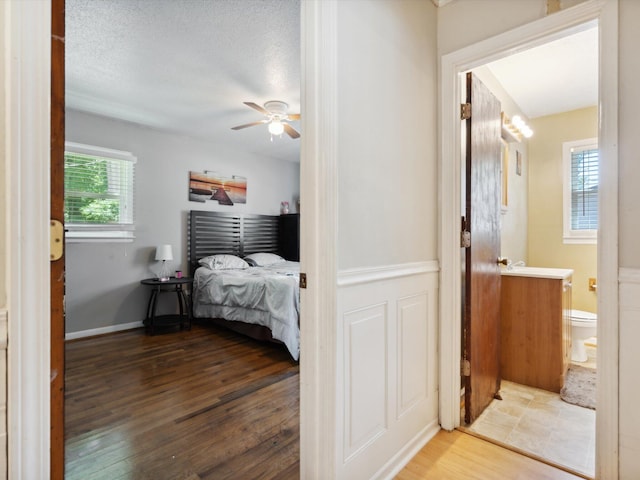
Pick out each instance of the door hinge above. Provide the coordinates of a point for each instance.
(465, 239)
(465, 368)
(465, 111)
(303, 280)
(56, 239)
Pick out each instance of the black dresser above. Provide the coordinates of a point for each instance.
(289, 236)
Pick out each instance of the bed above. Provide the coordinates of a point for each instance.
(259, 298)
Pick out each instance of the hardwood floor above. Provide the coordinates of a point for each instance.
(199, 404)
(210, 404)
(456, 455)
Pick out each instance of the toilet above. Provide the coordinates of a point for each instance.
(583, 326)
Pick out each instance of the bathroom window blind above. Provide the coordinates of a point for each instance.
(581, 182)
(584, 189)
(98, 198)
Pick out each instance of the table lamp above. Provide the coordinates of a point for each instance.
(164, 253)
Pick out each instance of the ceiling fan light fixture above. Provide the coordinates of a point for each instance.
(276, 118)
(276, 127)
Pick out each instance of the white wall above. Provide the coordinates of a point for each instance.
(387, 234)
(103, 279)
(464, 22)
(387, 141)
(629, 101)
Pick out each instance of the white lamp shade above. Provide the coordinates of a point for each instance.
(164, 252)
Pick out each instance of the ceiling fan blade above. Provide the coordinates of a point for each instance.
(239, 127)
(290, 130)
(294, 116)
(257, 107)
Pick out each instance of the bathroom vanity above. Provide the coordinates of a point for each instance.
(536, 326)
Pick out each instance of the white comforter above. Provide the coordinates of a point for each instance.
(267, 296)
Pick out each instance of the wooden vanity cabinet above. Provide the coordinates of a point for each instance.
(535, 330)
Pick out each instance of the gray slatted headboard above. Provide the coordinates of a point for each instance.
(240, 234)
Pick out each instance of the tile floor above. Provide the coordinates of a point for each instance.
(539, 422)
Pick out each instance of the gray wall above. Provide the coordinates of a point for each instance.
(103, 279)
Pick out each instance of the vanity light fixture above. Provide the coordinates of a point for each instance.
(514, 129)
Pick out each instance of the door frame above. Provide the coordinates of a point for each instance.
(560, 24)
(26, 132)
(26, 56)
(318, 240)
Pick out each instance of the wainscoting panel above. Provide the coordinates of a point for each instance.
(413, 344)
(387, 367)
(629, 430)
(365, 334)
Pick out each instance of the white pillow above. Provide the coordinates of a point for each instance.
(223, 262)
(263, 259)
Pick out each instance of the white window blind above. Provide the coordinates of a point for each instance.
(581, 191)
(98, 196)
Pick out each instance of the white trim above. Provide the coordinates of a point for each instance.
(4, 318)
(358, 276)
(318, 240)
(102, 330)
(94, 151)
(573, 240)
(94, 239)
(100, 235)
(607, 417)
(572, 20)
(570, 236)
(441, 3)
(27, 62)
(449, 244)
(123, 231)
(629, 275)
(410, 450)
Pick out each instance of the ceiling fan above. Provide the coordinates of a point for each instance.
(277, 117)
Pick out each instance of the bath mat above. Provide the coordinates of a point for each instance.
(580, 387)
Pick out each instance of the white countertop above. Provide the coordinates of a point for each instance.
(539, 272)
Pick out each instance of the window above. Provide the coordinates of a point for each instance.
(98, 193)
(581, 167)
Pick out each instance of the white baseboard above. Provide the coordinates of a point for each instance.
(102, 330)
(411, 449)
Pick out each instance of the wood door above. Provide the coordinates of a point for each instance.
(481, 317)
(57, 266)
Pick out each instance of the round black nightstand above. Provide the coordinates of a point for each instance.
(172, 285)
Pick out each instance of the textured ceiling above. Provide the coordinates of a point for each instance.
(187, 65)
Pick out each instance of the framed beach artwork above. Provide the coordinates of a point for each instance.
(211, 186)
